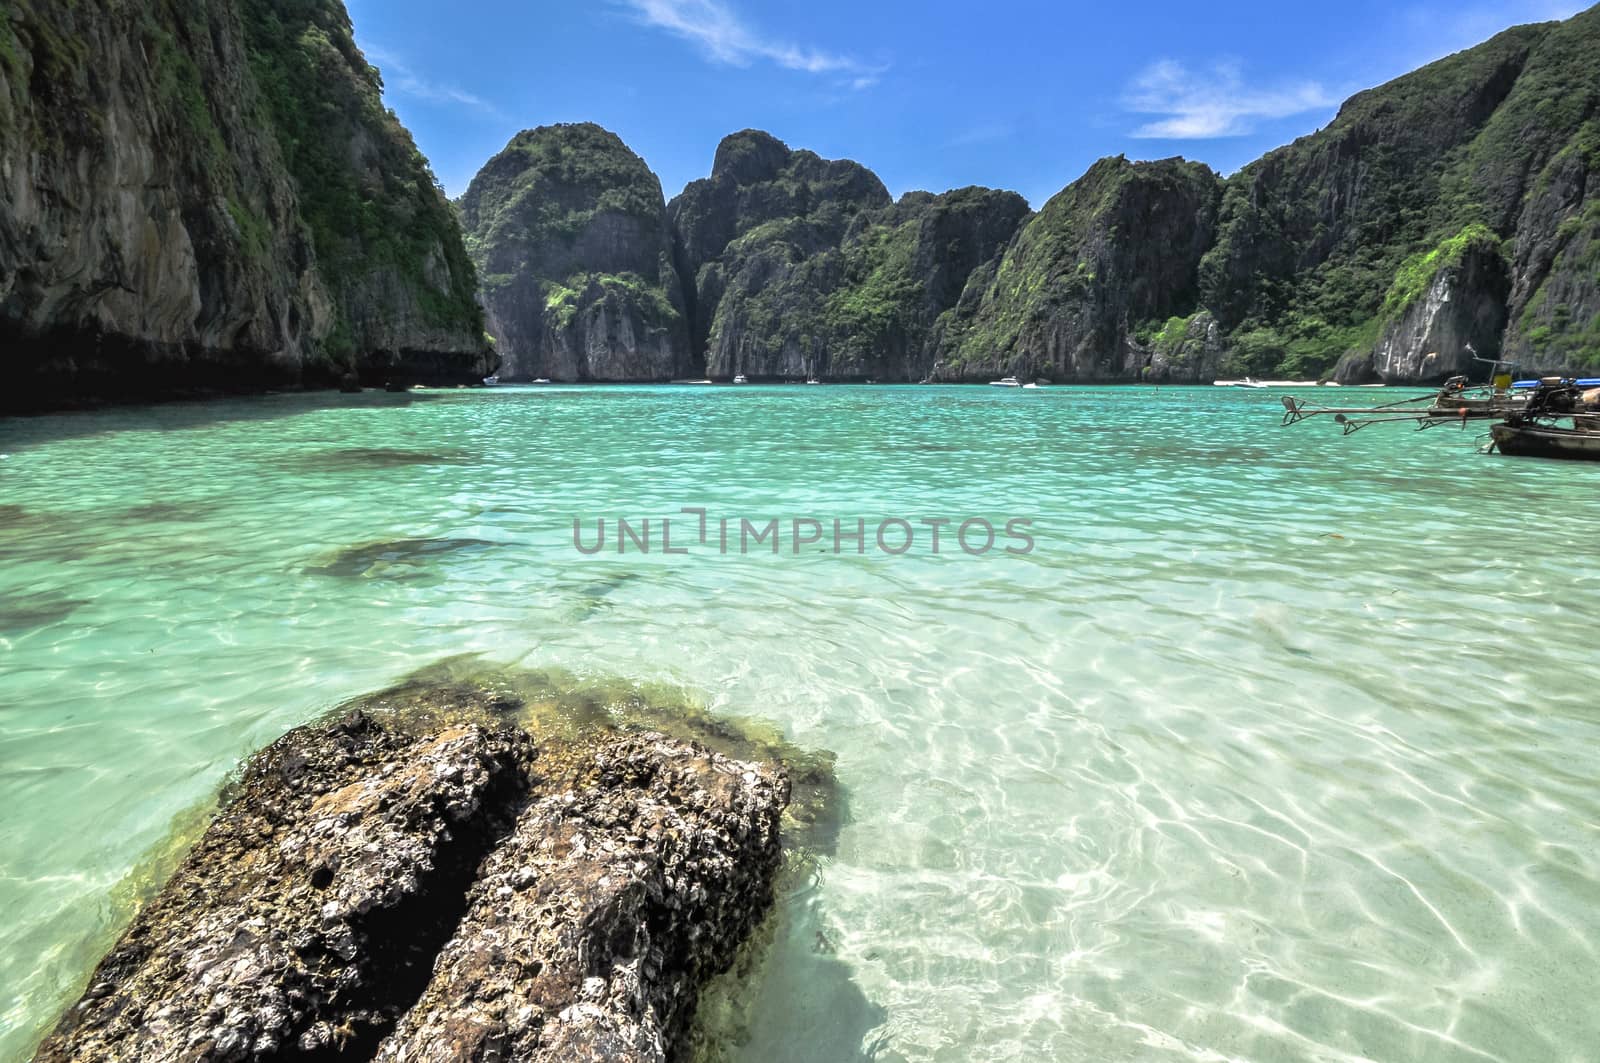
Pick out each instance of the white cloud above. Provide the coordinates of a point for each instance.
(1191, 105)
(399, 78)
(724, 37)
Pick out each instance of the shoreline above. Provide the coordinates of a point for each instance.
(102, 404)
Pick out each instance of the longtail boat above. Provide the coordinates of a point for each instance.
(1561, 419)
(1545, 441)
(1456, 402)
(1548, 418)
(1453, 403)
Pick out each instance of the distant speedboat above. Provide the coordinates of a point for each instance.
(1032, 387)
(490, 381)
(740, 379)
(1007, 382)
(1247, 382)
(813, 380)
(542, 380)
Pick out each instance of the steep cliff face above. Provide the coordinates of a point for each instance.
(1488, 146)
(1549, 135)
(764, 210)
(1555, 300)
(154, 231)
(1115, 250)
(1453, 206)
(388, 244)
(569, 231)
(1185, 351)
(1448, 303)
(791, 302)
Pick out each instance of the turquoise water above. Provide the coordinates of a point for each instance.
(1278, 746)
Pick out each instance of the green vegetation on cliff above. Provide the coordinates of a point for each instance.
(881, 293)
(1324, 242)
(207, 195)
(366, 192)
(1416, 273)
(798, 265)
(1477, 172)
(569, 230)
(1115, 250)
(552, 183)
(564, 299)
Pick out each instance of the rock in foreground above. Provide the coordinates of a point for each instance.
(494, 897)
(594, 924)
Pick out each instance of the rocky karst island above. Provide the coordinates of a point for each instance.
(286, 231)
(325, 734)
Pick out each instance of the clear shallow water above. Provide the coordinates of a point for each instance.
(1280, 746)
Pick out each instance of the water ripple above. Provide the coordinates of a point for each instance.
(1280, 746)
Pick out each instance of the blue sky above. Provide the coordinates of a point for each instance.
(931, 94)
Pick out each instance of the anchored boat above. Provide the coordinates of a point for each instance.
(1549, 418)
(1561, 419)
(1544, 441)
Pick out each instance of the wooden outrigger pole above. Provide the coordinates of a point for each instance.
(1355, 418)
(1455, 402)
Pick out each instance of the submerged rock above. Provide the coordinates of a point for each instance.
(396, 559)
(424, 880)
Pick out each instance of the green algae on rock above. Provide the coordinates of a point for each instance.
(424, 879)
(566, 706)
(396, 559)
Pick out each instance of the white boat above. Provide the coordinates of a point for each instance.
(542, 380)
(813, 380)
(490, 381)
(1032, 387)
(1008, 382)
(740, 379)
(1247, 382)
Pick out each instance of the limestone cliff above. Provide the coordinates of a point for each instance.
(168, 216)
(569, 231)
(1490, 147)
(1117, 248)
(764, 209)
(793, 302)
(1455, 306)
